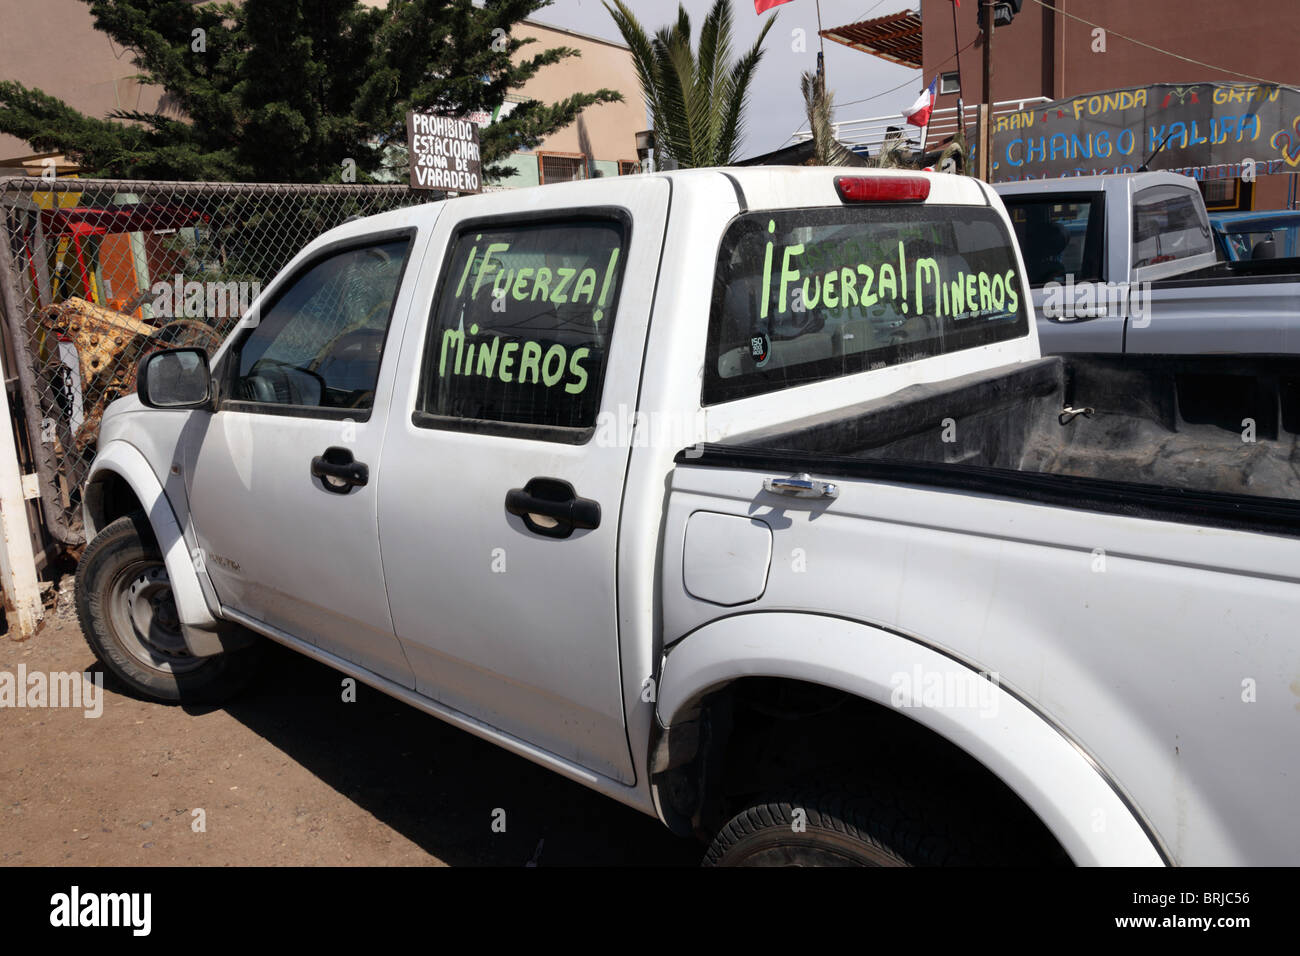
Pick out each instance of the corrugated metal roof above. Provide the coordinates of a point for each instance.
(896, 38)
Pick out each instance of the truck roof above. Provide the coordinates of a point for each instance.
(774, 187)
(755, 187)
(1104, 183)
(762, 187)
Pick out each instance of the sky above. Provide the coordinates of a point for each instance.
(776, 107)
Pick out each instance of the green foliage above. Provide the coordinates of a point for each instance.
(287, 90)
(697, 99)
(819, 105)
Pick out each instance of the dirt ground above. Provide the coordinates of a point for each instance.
(286, 775)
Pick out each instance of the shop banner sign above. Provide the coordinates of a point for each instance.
(1209, 130)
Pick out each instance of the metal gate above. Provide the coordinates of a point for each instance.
(95, 273)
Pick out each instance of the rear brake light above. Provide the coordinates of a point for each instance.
(882, 188)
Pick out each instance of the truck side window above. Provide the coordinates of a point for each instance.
(520, 329)
(806, 295)
(319, 341)
(1169, 222)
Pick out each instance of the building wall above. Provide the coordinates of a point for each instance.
(525, 169)
(1043, 53)
(54, 46)
(606, 132)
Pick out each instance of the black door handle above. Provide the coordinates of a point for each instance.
(556, 503)
(338, 472)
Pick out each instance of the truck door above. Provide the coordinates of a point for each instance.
(501, 489)
(282, 489)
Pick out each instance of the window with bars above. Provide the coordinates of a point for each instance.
(628, 167)
(562, 167)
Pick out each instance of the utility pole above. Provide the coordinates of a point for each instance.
(961, 89)
(821, 51)
(986, 109)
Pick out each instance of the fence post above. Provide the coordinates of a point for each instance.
(22, 593)
(17, 563)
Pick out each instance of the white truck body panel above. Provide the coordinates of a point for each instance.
(118, 457)
(1055, 777)
(1141, 663)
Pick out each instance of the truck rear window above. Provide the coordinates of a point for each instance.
(806, 295)
(1060, 236)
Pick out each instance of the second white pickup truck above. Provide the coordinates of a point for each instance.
(744, 497)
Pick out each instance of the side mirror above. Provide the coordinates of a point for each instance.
(176, 378)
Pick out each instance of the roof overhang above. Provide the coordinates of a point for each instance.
(35, 164)
(896, 37)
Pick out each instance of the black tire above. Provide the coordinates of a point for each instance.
(839, 829)
(129, 620)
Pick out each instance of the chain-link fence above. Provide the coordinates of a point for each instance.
(95, 273)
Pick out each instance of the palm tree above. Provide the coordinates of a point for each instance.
(819, 105)
(696, 100)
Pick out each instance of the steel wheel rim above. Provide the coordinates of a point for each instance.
(145, 618)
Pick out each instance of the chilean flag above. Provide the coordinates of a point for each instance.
(762, 6)
(918, 114)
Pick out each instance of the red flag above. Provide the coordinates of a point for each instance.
(762, 6)
(918, 114)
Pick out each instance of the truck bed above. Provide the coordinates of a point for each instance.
(1161, 436)
(1245, 272)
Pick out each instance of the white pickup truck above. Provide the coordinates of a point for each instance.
(744, 497)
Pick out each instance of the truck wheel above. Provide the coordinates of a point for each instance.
(834, 829)
(129, 619)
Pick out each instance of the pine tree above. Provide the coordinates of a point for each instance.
(289, 90)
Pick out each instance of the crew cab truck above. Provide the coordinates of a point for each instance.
(745, 497)
(1129, 263)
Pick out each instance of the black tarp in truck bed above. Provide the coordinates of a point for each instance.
(1164, 437)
